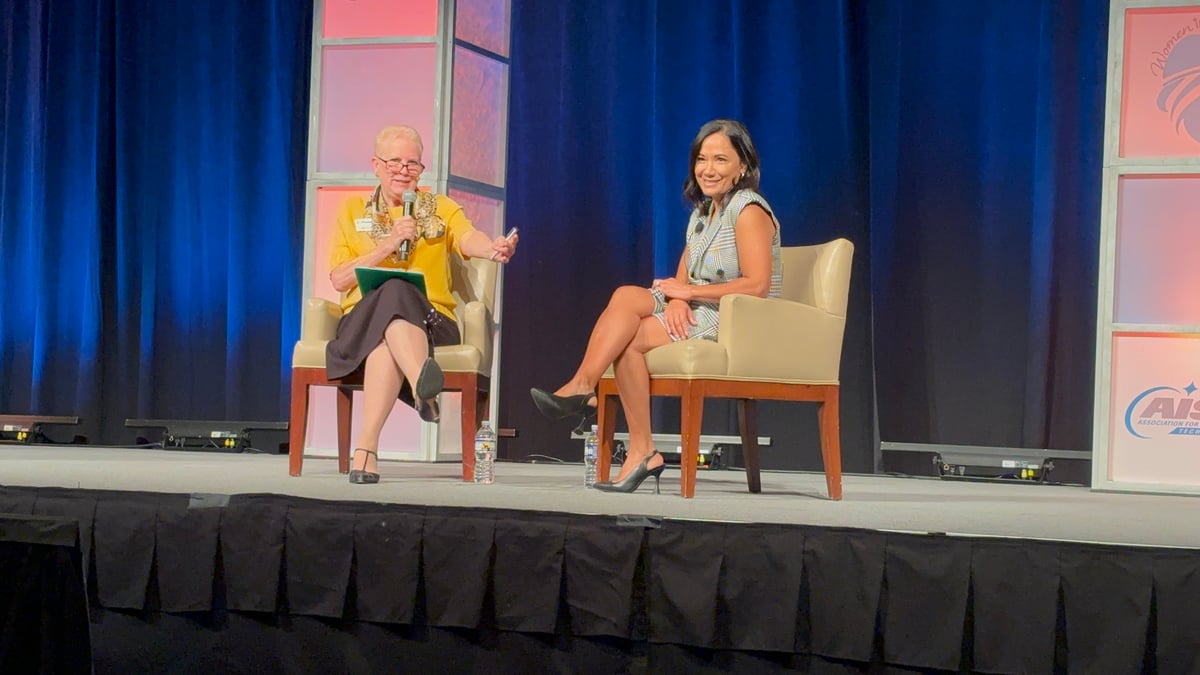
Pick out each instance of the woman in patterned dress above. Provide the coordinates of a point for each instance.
(732, 247)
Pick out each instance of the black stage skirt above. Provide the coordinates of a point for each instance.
(361, 330)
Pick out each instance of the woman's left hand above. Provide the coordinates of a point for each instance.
(678, 319)
(672, 288)
(503, 248)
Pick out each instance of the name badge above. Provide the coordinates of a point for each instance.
(362, 224)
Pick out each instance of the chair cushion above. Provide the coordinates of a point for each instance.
(688, 358)
(459, 359)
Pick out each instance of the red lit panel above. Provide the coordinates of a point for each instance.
(365, 88)
(486, 214)
(484, 23)
(379, 18)
(1160, 99)
(1157, 238)
(479, 118)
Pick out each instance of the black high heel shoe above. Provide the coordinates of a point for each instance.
(557, 407)
(428, 409)
(634, 480)
(429, 384)
(362, 476)
(585, 423)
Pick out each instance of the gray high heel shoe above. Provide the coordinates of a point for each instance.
(635, 477)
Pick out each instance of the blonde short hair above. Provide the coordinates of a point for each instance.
(388, 134)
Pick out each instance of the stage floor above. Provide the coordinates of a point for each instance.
(874, 502)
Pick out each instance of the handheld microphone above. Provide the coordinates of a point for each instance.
(409, 198)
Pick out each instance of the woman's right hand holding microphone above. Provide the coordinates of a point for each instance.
(403, 228)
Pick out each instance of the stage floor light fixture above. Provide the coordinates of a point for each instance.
(970, 462)
(30, 429)
(205, 435)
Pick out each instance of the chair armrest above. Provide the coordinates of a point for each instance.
(320, 320)
(777, 339)
(477, 329)
(318, 325)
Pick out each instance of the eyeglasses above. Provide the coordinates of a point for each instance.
(399, 165)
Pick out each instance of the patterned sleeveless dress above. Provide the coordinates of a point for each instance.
(712, 258)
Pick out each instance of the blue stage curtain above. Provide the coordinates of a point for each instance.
(986, 154)
(151, 208)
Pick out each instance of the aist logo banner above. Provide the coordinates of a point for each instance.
(1164, 411)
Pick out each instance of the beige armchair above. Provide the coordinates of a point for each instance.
(787, 348)
(467, 366)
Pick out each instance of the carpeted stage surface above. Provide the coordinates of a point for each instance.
(1006, 509)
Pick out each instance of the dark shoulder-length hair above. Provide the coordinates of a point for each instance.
(740, 138)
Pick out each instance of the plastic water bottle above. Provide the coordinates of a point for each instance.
(485, 454)
(591, 447)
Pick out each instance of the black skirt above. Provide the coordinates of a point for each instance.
(361, 330)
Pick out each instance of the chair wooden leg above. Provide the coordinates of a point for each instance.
(606, 422)
(692, 413)
(748, 424)
(831, 442)
(474, 411)
(298, 422)
(345, 402)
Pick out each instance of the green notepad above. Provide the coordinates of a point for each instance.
(369, 278)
